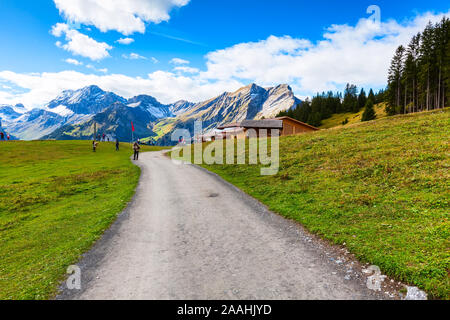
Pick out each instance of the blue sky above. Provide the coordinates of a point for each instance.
(224, 44)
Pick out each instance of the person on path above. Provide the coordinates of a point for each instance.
(8, 136)
(2, 135)
(136, 149)
(104, 137)
(94, 145)
(117, 144)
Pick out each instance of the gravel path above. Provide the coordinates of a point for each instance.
(190, 235)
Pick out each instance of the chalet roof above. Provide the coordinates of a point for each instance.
(230, 125)
(276, 123)
(262, 124)
(299, 122)
(259, 124)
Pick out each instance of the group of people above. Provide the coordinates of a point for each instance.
(136, 147)
(3, 136)
(102, 137)
(95, 144)
(181, 141)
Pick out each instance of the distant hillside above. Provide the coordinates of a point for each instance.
(338, 119)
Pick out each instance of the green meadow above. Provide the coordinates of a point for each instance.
(56, 199)
(381, 188)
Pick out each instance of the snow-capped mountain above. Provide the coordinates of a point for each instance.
(114, 121)
(73, 107)
(72, 114)
(150, 104)
(143, 110)
(9, 113)
(88, 100)
(35, 123)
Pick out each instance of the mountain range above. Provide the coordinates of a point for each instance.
(75, 113)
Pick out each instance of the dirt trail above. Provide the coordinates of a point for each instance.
(190, 235)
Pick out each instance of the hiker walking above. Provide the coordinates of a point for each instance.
(2, 135)
(8, 136)
(94, 145)
(117, 144)
(136, 149)
(104, 137)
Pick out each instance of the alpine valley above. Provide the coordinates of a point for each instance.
(75, 114)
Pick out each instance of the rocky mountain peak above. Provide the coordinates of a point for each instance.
(88, 100)
(73, 112)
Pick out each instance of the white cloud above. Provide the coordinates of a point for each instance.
(80, 44)
(187, 70)
(90, 66)
(165, 86)
(360, 54)
(155, 61)
(178, 61)
(125, 41)
(125, 17)
(74, 62)
(133, 56)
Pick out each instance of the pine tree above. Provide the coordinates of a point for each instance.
(314, 119)
(410, 70)
(370, 97)
(362, 99)
(379, 97)
(446, 80)
(443, 54)
(350, 103)
(369, 112)
(419, 78)
(394, 82)
(426, 66)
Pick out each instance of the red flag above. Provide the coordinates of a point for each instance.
(132, 126)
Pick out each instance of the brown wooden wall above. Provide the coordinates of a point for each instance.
(292, 128)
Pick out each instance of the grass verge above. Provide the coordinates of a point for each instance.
(56, 199)
(381, 188)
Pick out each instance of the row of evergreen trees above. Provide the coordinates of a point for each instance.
(419, 80)
(324, 105)
(419, 75)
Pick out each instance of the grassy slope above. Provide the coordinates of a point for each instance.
(56, 199)
(337, 119)
(381, 187)
(162, 128)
